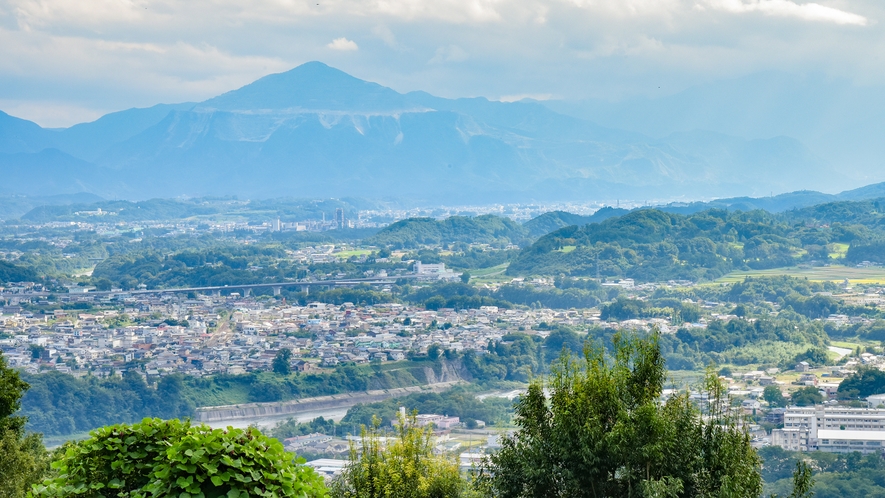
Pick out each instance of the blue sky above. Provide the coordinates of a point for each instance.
(64, 61)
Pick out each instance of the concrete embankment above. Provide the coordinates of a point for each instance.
(280, 409)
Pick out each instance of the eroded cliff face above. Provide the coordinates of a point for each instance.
(446, 371)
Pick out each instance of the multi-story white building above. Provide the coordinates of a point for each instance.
(834, 429)
(436, 270)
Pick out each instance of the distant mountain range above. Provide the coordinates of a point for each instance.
(779, 203)
(840, 121)
(317, 132)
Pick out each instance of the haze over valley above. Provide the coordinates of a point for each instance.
(315, 131)
(442, 249)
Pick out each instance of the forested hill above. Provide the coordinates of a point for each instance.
(869, 213)
(12, 273)
(548, 222)
(485, 229)
(653, 245)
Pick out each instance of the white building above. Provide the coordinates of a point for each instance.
(438, 271)
(850, 441)
(805, 428)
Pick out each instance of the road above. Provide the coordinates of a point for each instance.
(276, 286)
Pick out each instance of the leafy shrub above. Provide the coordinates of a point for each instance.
(405, 468)
(156, 458)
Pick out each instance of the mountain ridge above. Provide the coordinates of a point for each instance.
(318, 131)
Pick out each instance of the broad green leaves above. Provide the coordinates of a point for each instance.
(156, 458)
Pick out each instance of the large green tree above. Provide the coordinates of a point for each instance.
(603, 431)
(281, 361)
(774, 396)
(23, 459)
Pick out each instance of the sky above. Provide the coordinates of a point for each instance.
(68, 61)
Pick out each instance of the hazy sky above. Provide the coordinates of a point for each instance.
(67, 61)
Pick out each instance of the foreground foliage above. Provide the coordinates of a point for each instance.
(23, 460)
(405, 468)
(156, 458)
(603, 432)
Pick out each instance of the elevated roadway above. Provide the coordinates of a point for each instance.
(216, 289)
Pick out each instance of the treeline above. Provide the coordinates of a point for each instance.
(457, 402)
(873, 252)
(216, 266)
(266, 386)
(60, 404)
(172, 209)
(762, 295)
(452, 295)
(850, 475)
(653, 245)
(485, 229)
(626, 308)
(14, 273)
(464, 257)
(554, 220)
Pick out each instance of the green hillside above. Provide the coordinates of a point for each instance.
(554, 220)
(486, 229)
(653, 245)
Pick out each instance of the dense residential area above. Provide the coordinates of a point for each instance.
(316, 334)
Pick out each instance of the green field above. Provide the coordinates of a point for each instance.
(840, 250)
(821, 274)
(354, 252)
(489, 275)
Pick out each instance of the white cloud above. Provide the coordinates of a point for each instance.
(343, 44)
(786, 8)
(113, 54)
(451, 53)
(385, 34)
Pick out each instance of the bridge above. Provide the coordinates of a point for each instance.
(217, 289)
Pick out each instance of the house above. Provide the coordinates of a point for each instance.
(303, 366)
(808, 379)
(803, 366)
(750, 406)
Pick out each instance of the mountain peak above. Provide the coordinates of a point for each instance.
(310, 86)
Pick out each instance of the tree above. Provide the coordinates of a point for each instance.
(807, 396)
(23, 460)
(465, 277)
(562, 337)
(773, 395)
(281, 362)
(433, 352)
(865, 382)
(604, 432)
(435, 303)
(814, 356)
(406, 468)
(173, 458)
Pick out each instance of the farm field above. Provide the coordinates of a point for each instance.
(493, 274)
(821, 273)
